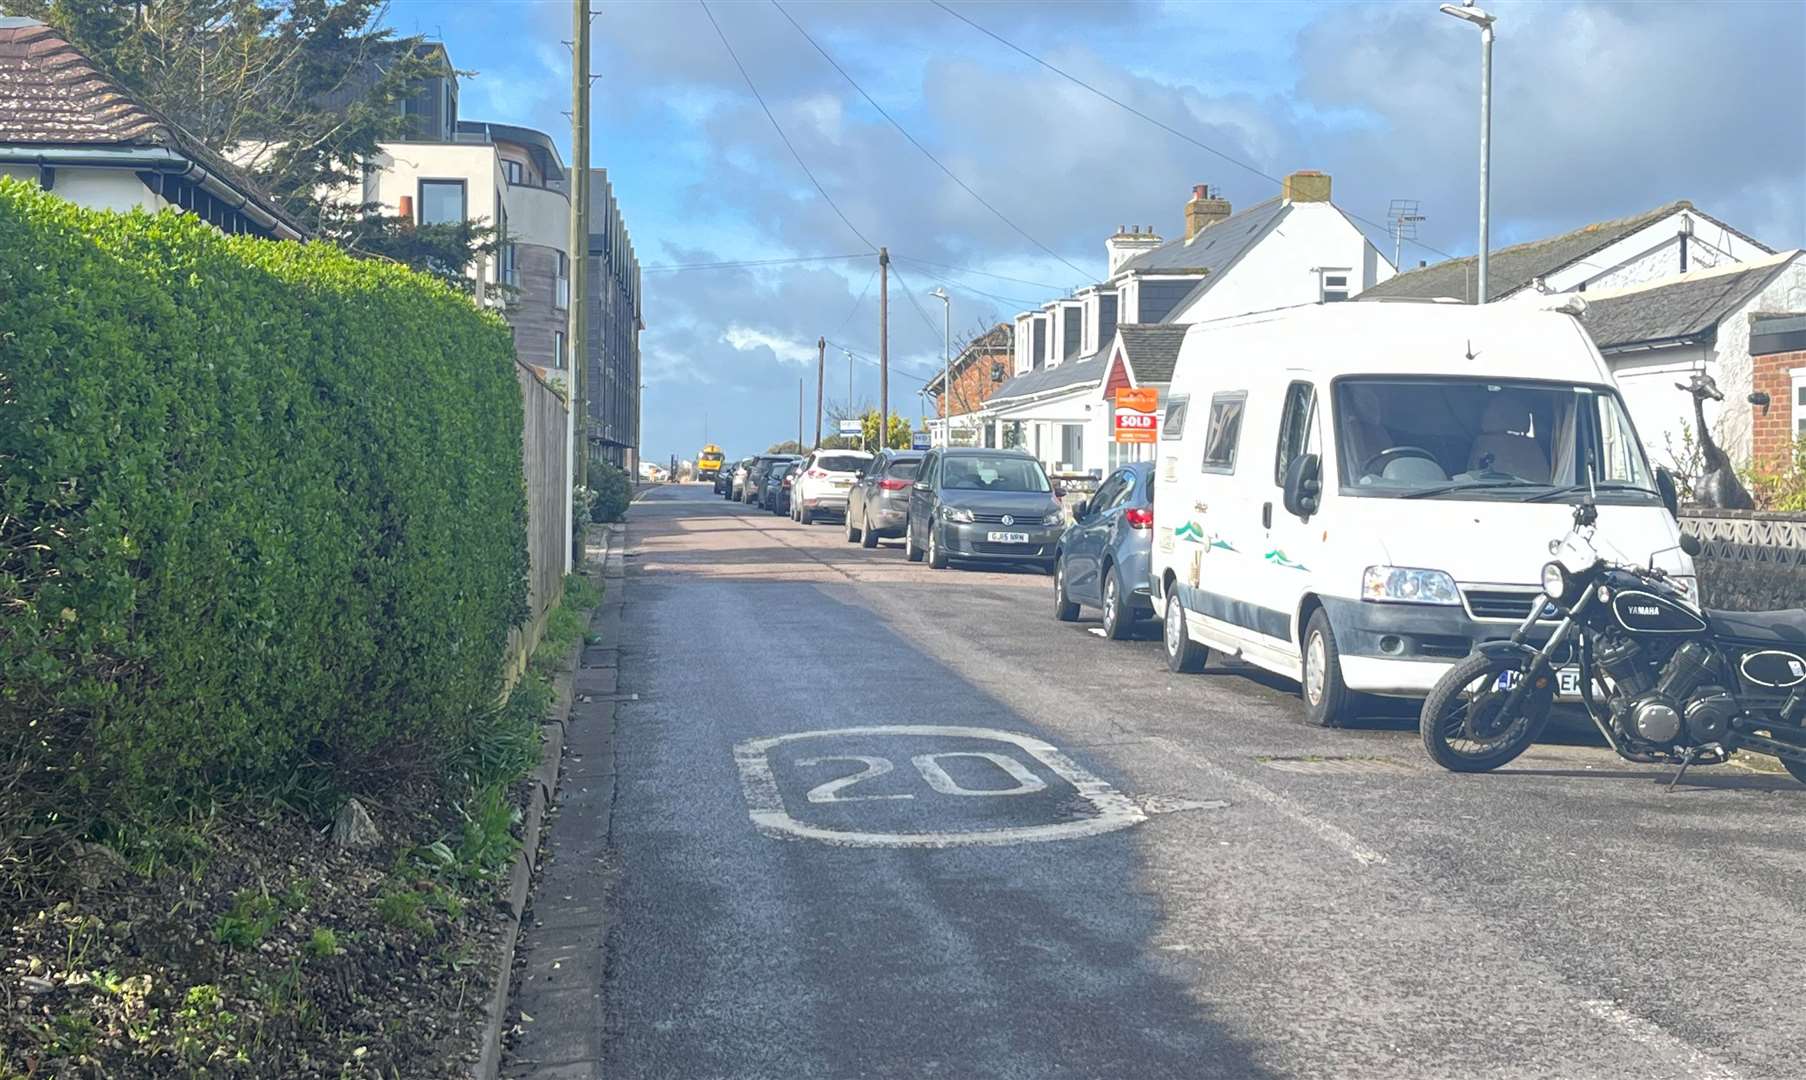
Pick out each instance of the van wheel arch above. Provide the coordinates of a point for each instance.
(1306, 608)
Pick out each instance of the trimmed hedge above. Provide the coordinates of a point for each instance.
(610, 492)
(261, 510)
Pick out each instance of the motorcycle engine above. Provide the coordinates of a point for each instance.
(1679, 701)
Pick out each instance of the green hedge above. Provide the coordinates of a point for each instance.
(261, 509)
(610, 492)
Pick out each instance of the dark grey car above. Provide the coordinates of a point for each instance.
(1104, 553)
(778, 481)
(878, 503)
(976, 505)
(754, 493)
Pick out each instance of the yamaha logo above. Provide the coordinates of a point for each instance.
(1008, 520)
(1643, 609)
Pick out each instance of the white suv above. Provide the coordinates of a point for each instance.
(824, 481)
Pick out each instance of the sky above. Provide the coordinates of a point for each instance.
(1601, 110)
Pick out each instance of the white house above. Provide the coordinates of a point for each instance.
(1071, 355)
(67, 126)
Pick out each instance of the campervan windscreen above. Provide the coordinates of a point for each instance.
(1485, 438)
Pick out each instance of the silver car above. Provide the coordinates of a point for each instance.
(878, 503)
(976, 505)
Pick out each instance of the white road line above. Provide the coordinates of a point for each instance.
(1649, 1034)
(1337, 838)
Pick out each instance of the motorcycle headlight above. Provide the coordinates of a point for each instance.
(1688, 586)
(1053, 517)
(1555, 580)
(1407, 585)
(958, 514)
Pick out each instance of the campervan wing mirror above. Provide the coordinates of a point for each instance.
(1671, 492)
(1304, 485)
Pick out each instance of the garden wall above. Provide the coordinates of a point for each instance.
(1752, 560)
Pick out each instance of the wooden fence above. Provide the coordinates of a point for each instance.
(545, 460)
(1752, 561)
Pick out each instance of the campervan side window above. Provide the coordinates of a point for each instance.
(1224, 432)
(1174, 424)
(1296, 426)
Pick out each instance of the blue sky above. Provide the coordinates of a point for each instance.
(1602, 110)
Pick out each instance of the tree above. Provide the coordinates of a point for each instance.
(789, 447)
(899, 431)
(297, 92)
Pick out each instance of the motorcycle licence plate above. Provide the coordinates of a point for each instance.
(1007, 537)
(1567, 682)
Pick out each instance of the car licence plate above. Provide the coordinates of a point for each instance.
(843, 483)
(1007, 537)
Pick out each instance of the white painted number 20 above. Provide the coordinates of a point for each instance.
(933, 773)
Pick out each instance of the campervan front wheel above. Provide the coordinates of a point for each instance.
(1328, 701)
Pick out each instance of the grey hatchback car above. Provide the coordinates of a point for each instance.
(982, 505)
(1104, 554)
(878, 504)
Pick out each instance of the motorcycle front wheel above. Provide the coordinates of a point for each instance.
(1464, 724)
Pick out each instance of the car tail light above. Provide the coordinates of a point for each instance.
(787, 480)
(893, 484)
(1139, 517)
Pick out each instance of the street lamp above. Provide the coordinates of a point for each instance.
(1467, 12)
(946, 364)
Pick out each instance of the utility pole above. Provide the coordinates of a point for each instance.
(821, 375)
(1483, 19)
(946, 364)
(577, 301)
(883, 347)
(799, 415)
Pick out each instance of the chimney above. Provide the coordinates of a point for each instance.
(1127, 244)
(406, 209)
(1203, 211)
(1307, 185)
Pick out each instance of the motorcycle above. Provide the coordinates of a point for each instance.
(1665, 681)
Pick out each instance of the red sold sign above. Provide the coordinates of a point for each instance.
(1136, 421)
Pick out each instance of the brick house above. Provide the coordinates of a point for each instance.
(1778, 366)
(982, 365)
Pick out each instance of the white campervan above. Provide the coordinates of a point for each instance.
(1353, 494)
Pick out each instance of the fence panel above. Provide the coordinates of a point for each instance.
(1752, 561)
(545, 460)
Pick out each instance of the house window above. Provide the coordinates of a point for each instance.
(1332, 284)
(514, 171)
(1072, 446)
(561, 286)
(441, 202)
(558, 347)
(1799, 403)
(1224, 432)
(511, 264)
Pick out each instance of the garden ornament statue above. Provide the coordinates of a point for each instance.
(1717, 486)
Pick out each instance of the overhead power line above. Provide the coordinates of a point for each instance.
(854, 310)
(1162, 125)
(980, 273)
(741, 264)
(864, 359)
(779, 128)
(913, 141)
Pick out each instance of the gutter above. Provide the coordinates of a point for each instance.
(154, 159)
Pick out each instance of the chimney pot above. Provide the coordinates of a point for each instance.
(407, 207)
(1199, 191)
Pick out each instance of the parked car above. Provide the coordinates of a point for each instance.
(757, 475)
(1102, 559)
(982, 505)
(823, 482)
(778, 483)
(729, 476)
(1364, 548)
(878, 501)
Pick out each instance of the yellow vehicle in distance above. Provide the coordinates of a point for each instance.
(708, 462)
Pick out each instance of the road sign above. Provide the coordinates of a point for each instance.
(852, 427)
(1136, 415)
(920, 440)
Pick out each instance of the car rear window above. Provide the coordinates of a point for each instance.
(903, 470)
(841, 462)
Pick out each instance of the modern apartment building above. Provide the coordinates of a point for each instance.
(615, 322)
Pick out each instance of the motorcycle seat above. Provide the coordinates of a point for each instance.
(1784, 627)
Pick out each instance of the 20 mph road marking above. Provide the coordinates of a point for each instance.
(1111, 810)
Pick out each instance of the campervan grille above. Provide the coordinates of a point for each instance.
(1512, 605)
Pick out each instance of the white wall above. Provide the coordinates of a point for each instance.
(398, 169)
(97, 189)
(1653, 252)
(1280, 270)
(537, 216)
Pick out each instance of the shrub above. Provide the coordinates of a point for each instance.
(610, 492)
(261, 508)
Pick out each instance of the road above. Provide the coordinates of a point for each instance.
(1052, 858)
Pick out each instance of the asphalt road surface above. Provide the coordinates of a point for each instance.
(875, 820)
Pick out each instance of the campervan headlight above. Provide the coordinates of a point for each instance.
(1408, 585)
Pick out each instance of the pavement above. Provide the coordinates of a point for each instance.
(859, 818)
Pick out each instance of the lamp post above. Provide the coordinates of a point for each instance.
(946, 364)
(1467, 12)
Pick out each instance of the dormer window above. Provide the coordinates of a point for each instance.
(1332, 284)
